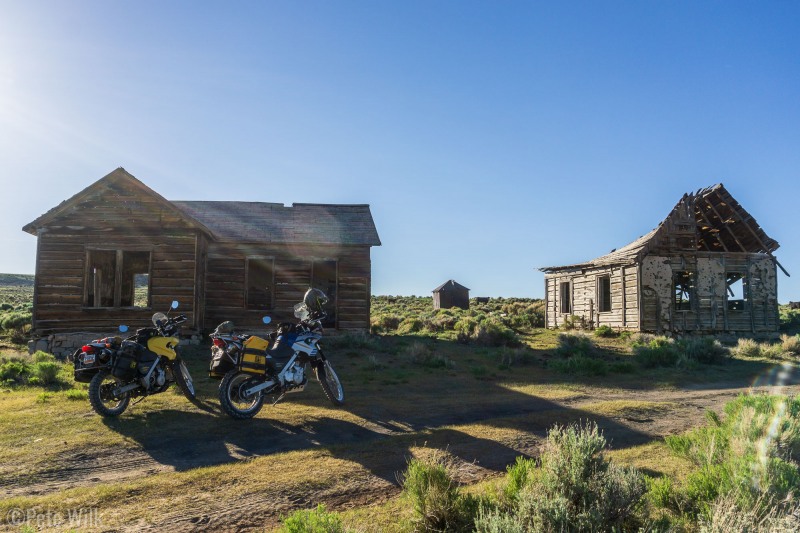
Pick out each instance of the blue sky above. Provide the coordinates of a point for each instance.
(489, 138)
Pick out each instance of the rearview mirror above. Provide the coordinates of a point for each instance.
(123, 328)
(266, 320)
(174, 304)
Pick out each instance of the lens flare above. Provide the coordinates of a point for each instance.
(776, 380)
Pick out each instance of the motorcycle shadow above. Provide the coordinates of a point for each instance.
(186, 440)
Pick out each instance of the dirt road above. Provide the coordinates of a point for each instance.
(378, 440)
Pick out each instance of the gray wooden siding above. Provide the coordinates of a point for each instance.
(584, 286)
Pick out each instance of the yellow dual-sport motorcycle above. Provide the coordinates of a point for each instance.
(143, 364)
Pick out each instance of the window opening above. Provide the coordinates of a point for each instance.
(735, 286)
(683, 290)
(604, 294)
(118, 278)
(566, 301)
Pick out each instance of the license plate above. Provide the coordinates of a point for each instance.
(88, 358)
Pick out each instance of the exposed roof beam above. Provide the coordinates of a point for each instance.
(752, 231)
(722, 221)
(716, 235)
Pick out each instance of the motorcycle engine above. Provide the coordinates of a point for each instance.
(157, 379)
(295, 376)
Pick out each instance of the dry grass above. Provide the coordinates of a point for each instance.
(472, 407)
(629, 408)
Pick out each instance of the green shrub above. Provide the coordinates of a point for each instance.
(15, 323)
(705, 350)
(43, 397)
(660, 492)
(353, 340)
(43, 372)
(77, 395)
(410, 325)
(518, 476)
(573, 322)
(435, 499)
(580, 365)
(748, 348)
(728, 513)
(14, 371)
(386, 322)
(419, 353)
(492, 332)
(661, 351)
(576, 489)
(640, 339)
(789, 318)
(442, 320)
(575, 344)
(465, 325)
(46, 372)
(791, 344)
(512, 356)
(622, 367)
(15, 320)
(41, 356)
(497, 521)
(772, 351)
(752, 450)
(318, 520)
(605, 331)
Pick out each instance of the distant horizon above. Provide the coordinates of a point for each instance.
(388, 295)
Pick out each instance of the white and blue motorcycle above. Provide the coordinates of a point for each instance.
(262, 370)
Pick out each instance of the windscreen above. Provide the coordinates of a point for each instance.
(301, 311)
(159, 318)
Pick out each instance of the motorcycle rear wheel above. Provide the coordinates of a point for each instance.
(183, 379)
(101, 398)
(330, 383)
(233, 399)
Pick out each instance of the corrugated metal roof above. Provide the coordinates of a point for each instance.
(270, 222)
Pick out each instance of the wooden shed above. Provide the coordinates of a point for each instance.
(118, 251)
(707, 268)
(450, 294)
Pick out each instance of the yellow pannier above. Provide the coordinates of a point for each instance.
(254, 359)
(256, 344)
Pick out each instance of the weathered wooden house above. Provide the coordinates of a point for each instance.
(117, 251)
(707, 268)
(450, 294)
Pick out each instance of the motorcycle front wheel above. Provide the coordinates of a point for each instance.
(101, 395)
(233, 398)
(330, 383)
(183, 379)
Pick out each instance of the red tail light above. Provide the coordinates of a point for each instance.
(219, 343)
(88, 349)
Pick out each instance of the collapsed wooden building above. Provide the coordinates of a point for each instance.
(118, 251)
(707, 268)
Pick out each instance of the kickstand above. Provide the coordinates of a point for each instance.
(279, 398)
(139, 400)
